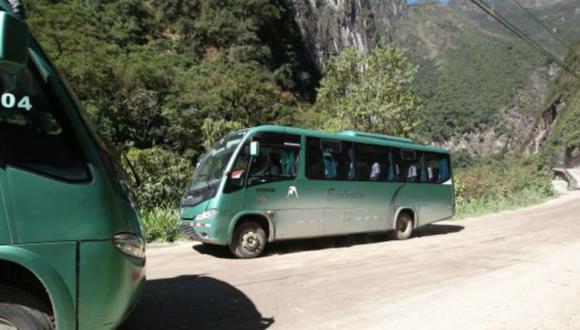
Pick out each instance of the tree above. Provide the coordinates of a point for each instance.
(370, 92)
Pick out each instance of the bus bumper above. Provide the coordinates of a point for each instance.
(193, 231)
(110, 283)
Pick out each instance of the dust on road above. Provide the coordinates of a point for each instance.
(513, 270)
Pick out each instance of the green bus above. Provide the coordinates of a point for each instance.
(72, 254)
(273, 183)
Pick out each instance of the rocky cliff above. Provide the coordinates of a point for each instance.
(328, 26)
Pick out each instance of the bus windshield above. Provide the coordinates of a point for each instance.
(212, 165)
(34, 135)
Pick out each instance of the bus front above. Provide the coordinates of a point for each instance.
(205, 214)
(72, 251)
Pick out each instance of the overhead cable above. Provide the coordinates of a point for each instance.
(507, 24)
(537, 20)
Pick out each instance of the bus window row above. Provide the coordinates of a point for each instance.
(341, 160)
(279, 159)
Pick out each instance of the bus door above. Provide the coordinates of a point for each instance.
(273, 188)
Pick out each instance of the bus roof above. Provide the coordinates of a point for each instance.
(352, 136)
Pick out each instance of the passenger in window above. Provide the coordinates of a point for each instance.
(412, 173)
(375, 171)
(433, 171)
(288, 163)
(330, 165)
(350, 164)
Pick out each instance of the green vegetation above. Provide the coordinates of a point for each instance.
(164, 80)
(161, 224)
(370, 92)
(566, 133)
(501, 184)
(471, 68)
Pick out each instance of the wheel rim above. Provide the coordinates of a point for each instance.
(251, 241)
(403, 224)
(6, 325)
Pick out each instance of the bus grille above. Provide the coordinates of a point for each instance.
(190, 233)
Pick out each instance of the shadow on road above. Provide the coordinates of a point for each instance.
(217, 251)
(194, 302)
(293, 246)
(438, 229)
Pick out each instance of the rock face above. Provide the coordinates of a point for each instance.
(328, 26)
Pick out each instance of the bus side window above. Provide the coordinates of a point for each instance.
(278, 159)
(398, 171)
(444, 168)
(409, 166)
(329, 160)
(437, 166)
(372, 162)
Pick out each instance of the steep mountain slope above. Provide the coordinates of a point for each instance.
(483, 89)
(563, 142)
(329, 26)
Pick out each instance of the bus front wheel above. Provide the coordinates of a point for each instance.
(248, 241)
(403, 227)
(21, 310)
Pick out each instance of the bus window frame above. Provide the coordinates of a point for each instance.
(251, 159)
(320, 144)
(68, 131)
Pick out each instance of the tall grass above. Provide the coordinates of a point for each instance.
(161, 224)
(501, 185)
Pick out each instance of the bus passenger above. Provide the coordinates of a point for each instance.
(375, 171)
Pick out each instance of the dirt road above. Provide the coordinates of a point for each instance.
(514, 270)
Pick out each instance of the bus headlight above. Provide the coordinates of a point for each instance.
(206, 214)
(130, 244)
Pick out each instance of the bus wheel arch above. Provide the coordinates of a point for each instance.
(405, 222)
(24, 296)
(58, 298)
(249, 236)
(256, 217)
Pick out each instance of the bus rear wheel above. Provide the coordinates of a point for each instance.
(20, 310)
(403, 226)
(249, 240)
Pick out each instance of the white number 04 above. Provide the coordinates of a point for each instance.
(8, 101)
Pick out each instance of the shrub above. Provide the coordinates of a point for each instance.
(161, 224)
(500, 185)
(164, 176)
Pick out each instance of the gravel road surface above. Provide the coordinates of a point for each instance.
(512, 270)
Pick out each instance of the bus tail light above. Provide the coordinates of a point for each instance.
(130, 244)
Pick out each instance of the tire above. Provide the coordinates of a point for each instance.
(249, 240)
(22, 311)
(403, 226)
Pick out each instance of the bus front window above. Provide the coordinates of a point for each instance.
(34, 134)
(211, 168)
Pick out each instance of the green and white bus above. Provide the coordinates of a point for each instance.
(72, 254)
(273, 183)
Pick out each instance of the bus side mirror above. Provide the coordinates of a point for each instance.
(13, 43)
(254, 149)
